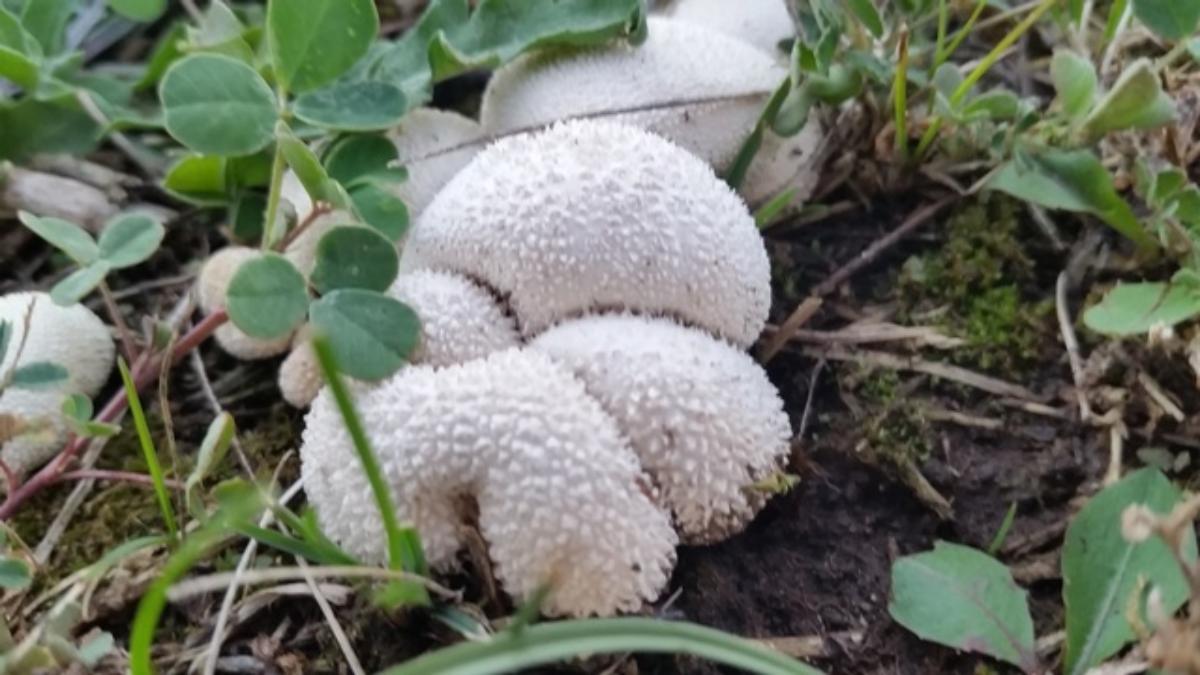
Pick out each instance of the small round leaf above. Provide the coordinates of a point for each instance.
(380, 209)
(79, 283)
(354, 257)
(371, 335)
(353, 106)
(130, 239)
(218, 105)
(139, 10)
(314, 41)
(63, 235)
(356, 156)
(267, 297)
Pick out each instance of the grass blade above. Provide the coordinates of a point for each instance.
(404, 547)
(547, 643)
(148, 450)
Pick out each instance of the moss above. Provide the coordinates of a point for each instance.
(896, 430)
(974, 284)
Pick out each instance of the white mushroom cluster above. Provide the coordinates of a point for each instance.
(586, 292)
(43, 332)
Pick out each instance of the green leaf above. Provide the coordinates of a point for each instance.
(1136, 101)
(1133, 309)
(65, 236)
(561, 640)
(14, 574)
(1072, 180)
(217, 105)
(199, 179)
(1101, 570)
(355, 156)
(315, 41)
(354, 257)
(267, 297)
(40, 375)
(1170, 19)
(15, 36)
(307, 167)
(319, 553)
(46, 20)
(138, 10)
(18, 68)
(865, 12)
(166, 51)
(247, 215)
(371, 335)
(218, 438)
(34, 126)
(960, 597)
(1074, 79)
(380, 209)
(5, 338)
(130, 239)
(79, 283)
(95, 649)
(220, 31)
(77, 407)
(353, 106)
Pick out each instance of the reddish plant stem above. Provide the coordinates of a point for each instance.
(119, 476)
(145, 369)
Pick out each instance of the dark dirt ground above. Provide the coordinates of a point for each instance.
(814, 566)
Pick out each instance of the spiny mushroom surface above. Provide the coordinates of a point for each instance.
(699, 88)
(72, 337)
(559, 495)
(702, 416)
(211, 288)
(587, 216)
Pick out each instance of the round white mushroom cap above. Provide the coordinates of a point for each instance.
(762, 23)
(699, 88)
(702, 416)
(588, 215)
(72, 337)
(211, 287)
(559, 493)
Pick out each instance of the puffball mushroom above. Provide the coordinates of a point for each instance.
(703, 418)
(432, 145)
(72, 337)
(699, 88)
(559, 495)
(460, 321)
(587, 216)
(762, 23)
(211, 287)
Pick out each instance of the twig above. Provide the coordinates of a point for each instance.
(1116, 452)
(872, 332)
(910, 225)
(62, 520)
(319, 209)
(917, 364)
(221, 580)
(794, 322)
(339, 635)
(962, 419)
(1160, 397)
(118, 476)
(1072, 344)
(114, 313)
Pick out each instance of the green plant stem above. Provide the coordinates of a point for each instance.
(273, 196)
(148, 449)
(981, 69)
(900, 95)
(404, 551)
(940, 56)
(943, 21)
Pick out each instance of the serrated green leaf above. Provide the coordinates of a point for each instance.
(65, 236)
(1136, 101)
(267, 297)
(139, 10)
(218, 105)
(1170, 19)
(960, 597)
(1101, 570)
(353, 157)
(315, 41)
(1072, 180)
(371, 335)
(354, 257)
(1133, 309)
(14, 574)
(40, 375)
(380, 209)
(79, 283)
(130, 239)
(353, 106)
(1074, 79)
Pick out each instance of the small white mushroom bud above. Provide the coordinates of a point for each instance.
(558, 491)
(300, 377)
(72, 337)
(698, 88)
(211, 287)
(587, 216)
(702, 416)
